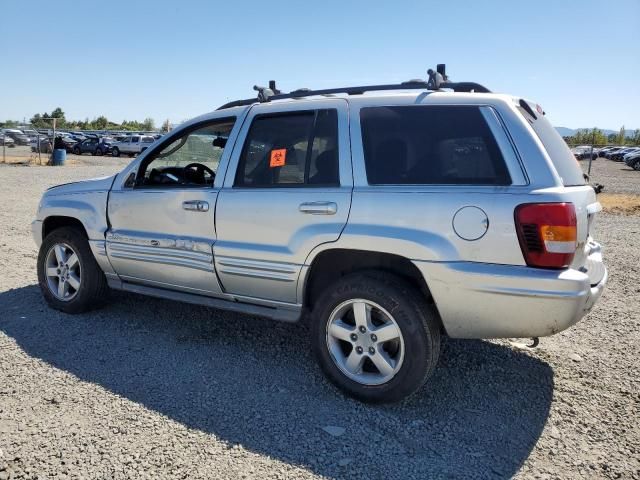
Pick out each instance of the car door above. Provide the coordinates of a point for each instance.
(123, 146)
(134, 146)
(89, 145)
(162, 224)
(287, 190)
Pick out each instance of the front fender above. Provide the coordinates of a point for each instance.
(88, 208)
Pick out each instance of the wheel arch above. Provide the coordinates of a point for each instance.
(331, 264)
(54, 222)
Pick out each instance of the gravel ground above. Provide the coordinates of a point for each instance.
(615, 176)
(146, 388)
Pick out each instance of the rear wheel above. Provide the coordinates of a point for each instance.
(99, 151)
(68, 274)
(375, 337)
(636, 166)
(115, 152)
(77, 151)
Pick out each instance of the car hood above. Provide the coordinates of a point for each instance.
(100, 184)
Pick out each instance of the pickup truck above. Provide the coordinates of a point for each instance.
(385, 220)
(132, 145)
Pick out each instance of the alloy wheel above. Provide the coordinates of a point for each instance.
(365, 342)
(63, 272)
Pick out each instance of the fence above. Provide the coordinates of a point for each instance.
(23, 145)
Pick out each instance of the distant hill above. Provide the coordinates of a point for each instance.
(568, 132)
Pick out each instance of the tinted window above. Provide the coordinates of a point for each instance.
(135, 139)
(430, 145)
(565, 162)
(291, 149)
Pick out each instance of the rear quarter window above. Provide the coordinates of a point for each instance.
(563, 160)
(430, 145)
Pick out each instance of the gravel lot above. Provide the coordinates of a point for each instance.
(145, 388)
(615, 176)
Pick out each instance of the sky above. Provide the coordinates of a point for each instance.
(129, 60)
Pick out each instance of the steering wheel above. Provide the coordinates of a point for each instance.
(200, 169)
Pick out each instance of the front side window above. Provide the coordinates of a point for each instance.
(191, 159)
(292, 149)
(135, 139)
(430, 145)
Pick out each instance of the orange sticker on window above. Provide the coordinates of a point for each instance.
(278, 157)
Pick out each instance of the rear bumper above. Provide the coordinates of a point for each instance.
(478, 300)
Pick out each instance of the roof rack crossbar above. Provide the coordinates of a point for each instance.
(412, 84)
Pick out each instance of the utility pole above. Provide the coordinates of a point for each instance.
(593, 140)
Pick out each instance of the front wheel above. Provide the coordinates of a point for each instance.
(636, 166)
(115, 152)
(375, 337)
(76, 151)
(69, 276)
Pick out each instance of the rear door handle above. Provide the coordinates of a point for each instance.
(196, 205)
(319, 208)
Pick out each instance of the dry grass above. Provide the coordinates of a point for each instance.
(620, 203)
(33, 160)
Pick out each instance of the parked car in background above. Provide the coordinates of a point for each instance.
(612, 151)
(93, 145)
(603, 151)
(7, 141)
(633, 160)
(40, 143)
(104, 145)
(17, 135)
(30, 133)
(618, 156)
(68, 142)
(132, 145)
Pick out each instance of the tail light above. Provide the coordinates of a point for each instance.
(547, 233)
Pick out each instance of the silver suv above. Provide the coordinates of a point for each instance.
(387, 216)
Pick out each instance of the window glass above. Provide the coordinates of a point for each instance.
(299, 148)
(199, 149)
(565, 162)
(430, 145)
(135, 139)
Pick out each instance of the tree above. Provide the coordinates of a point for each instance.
(166, 126)
(101, 122)
(620, 138)
(57, 113)
(148, 124)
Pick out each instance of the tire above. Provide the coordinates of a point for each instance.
(115, 152)
(99, 152)
(415, 351)
(636, 165)
(76, 151)
(92, 287)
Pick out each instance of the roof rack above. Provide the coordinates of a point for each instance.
(434, 84)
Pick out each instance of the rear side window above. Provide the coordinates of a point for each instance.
(292, 149)
(430, 145)
(563, 160)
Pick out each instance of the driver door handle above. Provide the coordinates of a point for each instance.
(196, 205)
(319, 208)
